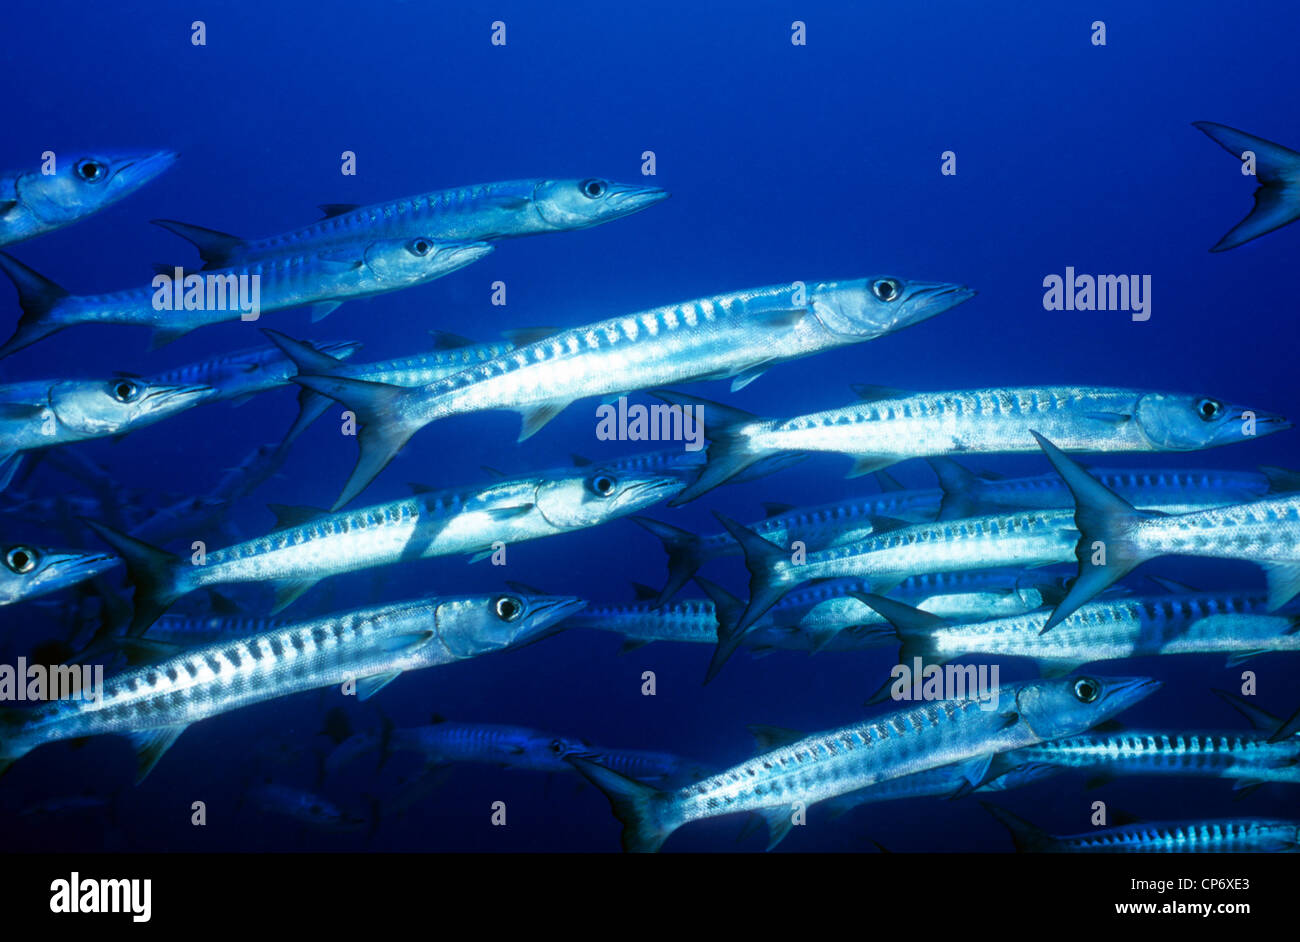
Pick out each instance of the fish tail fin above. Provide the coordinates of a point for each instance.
(152, 571)
(762, 559)
(1028, 838)
(307, 359)
(1277, 168)
(685, 555)
(1106, 551)
(961, 489)
(912, 625)
(729, 451)
(382, 433)
(727, 609)
(635, 804)
(38, 297)
(215, 248)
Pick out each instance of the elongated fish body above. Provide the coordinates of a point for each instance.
(1221, 836)
(31, 571)
(825, 765)
(208, 629)
(1112, 629)
(431, 524)
(371, 646)
(244, 372)
(33, 202)
(737, 335)
(484, 211)
(892, 426)
(1266, 532)
(280, 282)
(1247, 757)
(1022, 541)
(821, 617)
(41, 414)
(1006, 772)
(1168, 490)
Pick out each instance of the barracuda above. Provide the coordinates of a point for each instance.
(828, 764)
(895, 551)
(823, 617)
(1277, 170)
(324, 280)
(44, 413)
(31, 571)
(892, 426)
(1115, 537)
(313, 545)
(245, 373)
(485, 211)
(737, 336)
(1169, 490)
(1212, 623)
(1271, 754)
(1222, 836)
(34, 202)
(153, 705)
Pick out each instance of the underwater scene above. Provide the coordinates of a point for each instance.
(585, 427)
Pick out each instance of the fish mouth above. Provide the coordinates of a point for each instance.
(462, 253)
(70, 568)
(1129, 690)
(144, 167)
(933, 299)
(547, 612)
(649, 491)
(1266, 423)
(629, 198)
(175, 398)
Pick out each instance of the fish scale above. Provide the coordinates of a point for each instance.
(1228, 755)
(1232, 835)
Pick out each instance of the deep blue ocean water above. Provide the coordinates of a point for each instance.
(785, 163)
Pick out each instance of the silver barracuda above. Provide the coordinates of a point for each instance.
(822, 617)
(29, 571)
(736, 336)
(1169, 490)
(825, 765)
(1115, 537)
(312, 544)
(890, 426)
(44, 413)
(485, 211)
(153, 705)
(1276, 168)
(1220, 836)
(240, 375)
(1106, 630)
(33, 202)
(895, 551)
(323, 280)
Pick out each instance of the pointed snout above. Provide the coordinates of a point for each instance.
(630, 198)
(1126, 691)
(138, 169)
(176, 398)
(545, 613)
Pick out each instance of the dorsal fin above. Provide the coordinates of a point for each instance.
(446, 340)
(869, 393)
(289, 515)
(523, 336)
(337, 209)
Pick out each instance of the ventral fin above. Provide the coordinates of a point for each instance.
(535, 417)
(331, 210)
(150, 745)
(367, 687)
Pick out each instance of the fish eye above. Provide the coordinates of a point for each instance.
(559, 747)
(887, 289)
(125, 391)
(92, 171)
(21, 559)
(1086, 689)
(420, 247)
(604, 485)
(593, 189)
(1209, 409)
(508, 608)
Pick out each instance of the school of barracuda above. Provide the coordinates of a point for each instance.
(946, 574)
